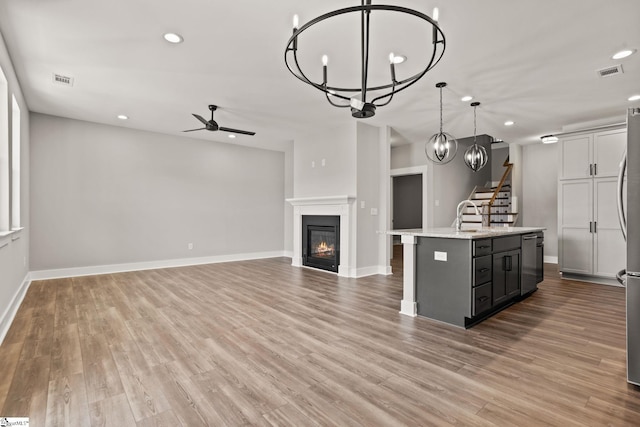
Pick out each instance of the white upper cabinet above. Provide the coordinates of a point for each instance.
(592, 155)
(608, 149)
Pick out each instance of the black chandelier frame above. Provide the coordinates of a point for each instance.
(366, 108)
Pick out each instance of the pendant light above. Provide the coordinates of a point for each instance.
(475, 156)
(442, 147)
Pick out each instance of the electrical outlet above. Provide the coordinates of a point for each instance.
(190, 246)
(440, 256)
(374, 211)
(362, 204)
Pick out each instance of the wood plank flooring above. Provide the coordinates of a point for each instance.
(262, 343)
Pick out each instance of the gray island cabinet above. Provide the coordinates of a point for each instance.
(463, 277)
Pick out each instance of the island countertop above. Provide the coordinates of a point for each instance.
(452, 233)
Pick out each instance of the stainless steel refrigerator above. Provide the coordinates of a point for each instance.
(633, 244)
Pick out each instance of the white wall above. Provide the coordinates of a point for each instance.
(104, 195)
(337, 146)
(14, 257)
(540, 192)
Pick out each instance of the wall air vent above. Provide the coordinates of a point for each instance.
(610, 71)
(62, 80)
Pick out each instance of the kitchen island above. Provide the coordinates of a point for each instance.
(463, 277)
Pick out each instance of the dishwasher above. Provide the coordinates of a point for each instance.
(529, 281)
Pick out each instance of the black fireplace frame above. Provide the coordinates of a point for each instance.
(325, 222)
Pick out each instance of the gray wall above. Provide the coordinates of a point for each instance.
(14, 258)
(106, 195)
(540, 192)
(498, 156)
(448, 184)
(368, 191)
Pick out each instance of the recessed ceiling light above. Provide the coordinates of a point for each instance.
(623, 53)
(232, 136)
(173, 38)
(123, 117)
(634, 98)
(509, 123)
(466, 98)
(399, 59)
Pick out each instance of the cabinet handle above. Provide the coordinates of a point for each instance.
(483, 270)
(483, 299)
(507, 263)
(595, 226)
(482, 247)
(590, 169)
(590, 227)
(595, 169)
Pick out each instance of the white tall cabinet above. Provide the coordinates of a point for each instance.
(590, 242)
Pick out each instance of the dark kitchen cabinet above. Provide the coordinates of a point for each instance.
(506, 276)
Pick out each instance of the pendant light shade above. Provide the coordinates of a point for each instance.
(475, 156)
(442, 147)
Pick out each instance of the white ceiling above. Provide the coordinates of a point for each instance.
(533, 62)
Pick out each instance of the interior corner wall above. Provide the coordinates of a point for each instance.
(368, 198)
(104, 195)
(540, 192)
(14, 250)
(288, 193)
(324, 162)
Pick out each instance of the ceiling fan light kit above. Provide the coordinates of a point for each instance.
(442, 147)
(475, 157)
(212, 125)
(364, 100)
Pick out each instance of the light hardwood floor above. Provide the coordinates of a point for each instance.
(263, 343)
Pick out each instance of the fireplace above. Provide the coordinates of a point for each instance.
(321, 241)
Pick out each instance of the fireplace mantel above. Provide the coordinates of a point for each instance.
(326, 205)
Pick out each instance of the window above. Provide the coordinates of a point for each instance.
(4, 153)
(15, 165)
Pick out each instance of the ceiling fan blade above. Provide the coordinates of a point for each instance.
(243, 132)
(191, 130)
(201, 119)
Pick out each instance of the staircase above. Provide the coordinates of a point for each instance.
(494, 198)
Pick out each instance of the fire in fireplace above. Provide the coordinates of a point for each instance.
(321, 241)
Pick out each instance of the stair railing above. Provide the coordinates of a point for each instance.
(505, 175)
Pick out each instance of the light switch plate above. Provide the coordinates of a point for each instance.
(439, 256)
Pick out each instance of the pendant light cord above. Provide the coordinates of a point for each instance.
(474, 123)
(441, 110)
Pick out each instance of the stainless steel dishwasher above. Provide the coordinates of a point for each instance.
(529, 264)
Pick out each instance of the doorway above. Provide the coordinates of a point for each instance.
(407, 202)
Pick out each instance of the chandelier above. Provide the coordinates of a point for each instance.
(442, 147)
(364, 99)
(476, 155)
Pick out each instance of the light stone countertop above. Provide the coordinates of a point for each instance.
(452, 233)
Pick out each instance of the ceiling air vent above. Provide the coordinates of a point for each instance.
(62, 80)
(610, 71)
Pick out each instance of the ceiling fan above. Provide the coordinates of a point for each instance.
(211, 125)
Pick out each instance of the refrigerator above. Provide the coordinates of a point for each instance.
(633, 245)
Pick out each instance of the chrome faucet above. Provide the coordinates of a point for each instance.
(459, 212)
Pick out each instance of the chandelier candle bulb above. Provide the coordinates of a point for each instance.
(296, 22)
(392, 65)
(325, 61)
(436, 14)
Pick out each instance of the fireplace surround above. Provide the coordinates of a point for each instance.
(340, 206)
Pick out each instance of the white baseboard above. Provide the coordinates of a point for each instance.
(288, 254)
(551, 259)
(11, 311)
(150, 265)
(371, 271)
